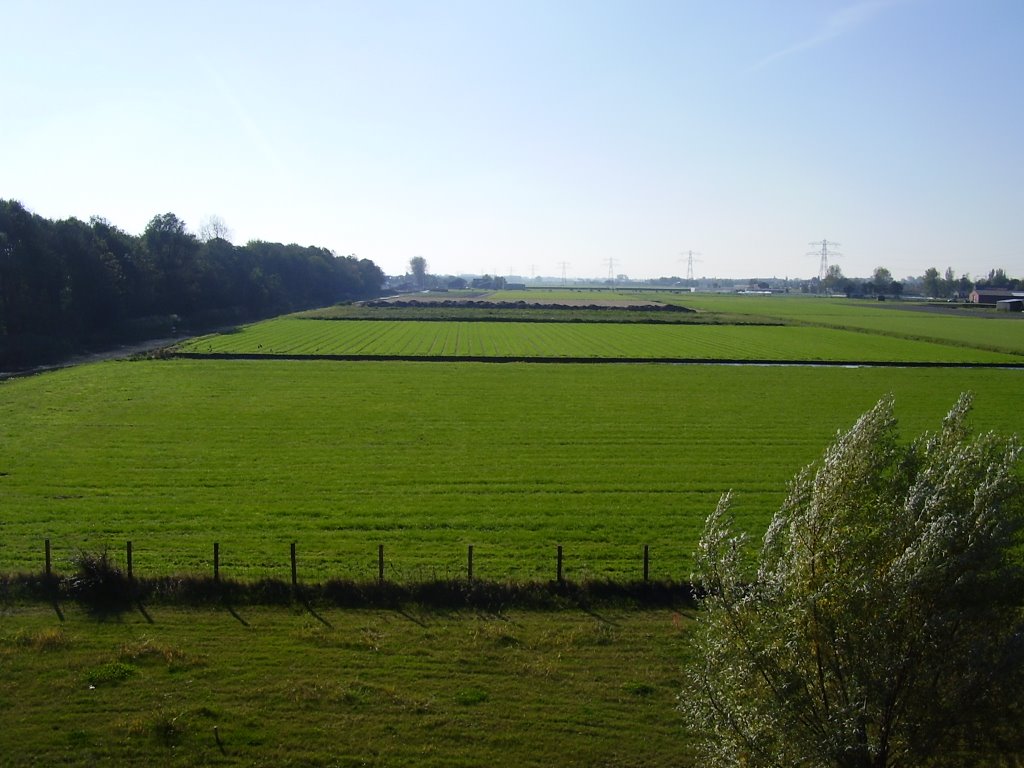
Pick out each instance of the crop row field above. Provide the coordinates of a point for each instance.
(426, 459)
(520, 340)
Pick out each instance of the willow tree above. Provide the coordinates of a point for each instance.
(880, 623)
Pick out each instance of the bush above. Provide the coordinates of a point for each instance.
(883, 623)
(99, 582)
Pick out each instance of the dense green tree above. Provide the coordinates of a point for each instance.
(418, 268)
(833, 279)
(881, 280)
(949, 283)
(998, 279)
(32, 276)
(882, 625)
(91, 294)
(136, 276)
(173, 251)
(932, 283)
(964, 285)
(67, 283)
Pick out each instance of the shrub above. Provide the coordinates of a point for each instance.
(882, 625)
(99, 582)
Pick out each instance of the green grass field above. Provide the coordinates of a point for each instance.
(292, 336)
(425, 458)
(341, 688)
(978, 328)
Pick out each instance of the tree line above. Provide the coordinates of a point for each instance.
(68, 284)
(932, 284)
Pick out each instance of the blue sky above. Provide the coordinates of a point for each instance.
(510, 137)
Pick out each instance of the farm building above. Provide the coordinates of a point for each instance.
(1010, 305)
(992, 295)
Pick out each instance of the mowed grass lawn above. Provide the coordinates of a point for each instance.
(426, 458)
(978, 328)
(420, 338)
(341, 688)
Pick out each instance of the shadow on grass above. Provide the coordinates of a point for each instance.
(305, 603)
(406, 615)
(105, 592)
(603, 619)
(231, 609)
(145, 614)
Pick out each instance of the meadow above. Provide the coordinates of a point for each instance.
(961, 325)
(341, 688)
(426, 458)
(945, 323)
(574, 341)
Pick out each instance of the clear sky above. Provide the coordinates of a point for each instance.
(511, 136)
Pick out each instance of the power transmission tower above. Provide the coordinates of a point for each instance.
(611, 269)
(689, 262)
(824, 252)
(563, 265)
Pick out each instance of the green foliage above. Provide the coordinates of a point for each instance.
(418, 268)
(883, 623)
(99, 582)
(69, 284)
(111, 673)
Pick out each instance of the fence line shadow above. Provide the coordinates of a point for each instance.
(312, 612)
(410, 617)
(231, 609)
(144, 612)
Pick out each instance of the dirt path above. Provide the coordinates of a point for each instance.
(116, 353)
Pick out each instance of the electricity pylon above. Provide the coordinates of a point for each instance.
(689, 262)
(824, 252)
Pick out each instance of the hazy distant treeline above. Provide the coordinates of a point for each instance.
(67, 284)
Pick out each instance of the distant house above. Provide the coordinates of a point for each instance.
(1010, 305)
(991, 295)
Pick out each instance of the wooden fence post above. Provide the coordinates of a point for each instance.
(380, 563)
(559, 577)
(128, 552)
(469, 564)
(216, 561)
(647, 563)
(48, 568)
(295, 572)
